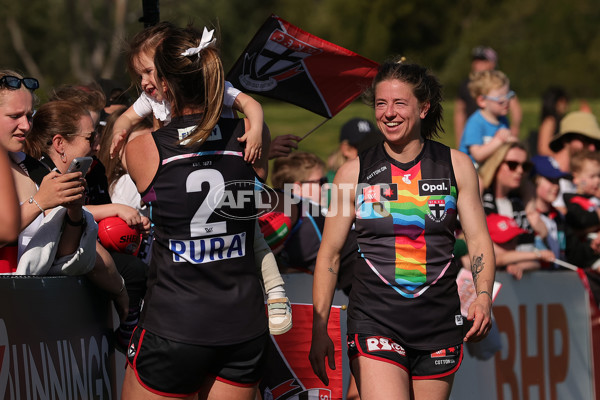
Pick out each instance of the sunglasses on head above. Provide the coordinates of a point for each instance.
(12, 82)
(512, 165)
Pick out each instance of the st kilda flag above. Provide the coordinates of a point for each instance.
(286, 63)
(288, 374)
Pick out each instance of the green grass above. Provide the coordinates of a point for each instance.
(283, 118)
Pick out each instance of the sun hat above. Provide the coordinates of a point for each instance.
(576, 123)
(503, 228)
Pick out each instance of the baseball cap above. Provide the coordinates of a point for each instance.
(484, 53)
(547, 167)
(360, 133)
(502, 228)
(576, 123)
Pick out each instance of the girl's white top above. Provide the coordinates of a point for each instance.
(146, 104)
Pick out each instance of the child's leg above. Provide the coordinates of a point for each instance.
(278, 305)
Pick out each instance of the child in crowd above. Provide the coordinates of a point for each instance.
(546, 176)
(583, 211)
(141, 66)
(578, 131)
(356, 135)
(504, 232)
(488, 128)
(302, 175)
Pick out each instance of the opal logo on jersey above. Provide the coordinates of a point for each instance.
(430, 187)
(202, 251)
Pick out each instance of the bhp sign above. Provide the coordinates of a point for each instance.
(543, 361)
(545, 326)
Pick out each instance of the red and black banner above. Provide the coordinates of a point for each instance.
(286, 63)
(289, 374)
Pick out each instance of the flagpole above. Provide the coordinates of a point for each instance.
(314, 129)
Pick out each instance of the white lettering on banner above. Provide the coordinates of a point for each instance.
(62, 369)
(201, 251)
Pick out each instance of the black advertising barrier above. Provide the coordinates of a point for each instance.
(55, 339)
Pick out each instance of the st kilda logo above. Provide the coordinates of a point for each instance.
(435, 187)
(280, 58)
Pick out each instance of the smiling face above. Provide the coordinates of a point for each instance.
(546, 189)
(587, 179)
(398, 112)
(79, 144)
(16, 110)
(144, 67)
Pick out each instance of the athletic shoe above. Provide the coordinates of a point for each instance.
(280, 315)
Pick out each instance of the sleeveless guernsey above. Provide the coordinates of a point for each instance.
(405, 280)
(203, 286)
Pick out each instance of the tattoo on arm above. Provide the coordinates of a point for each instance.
(332, 271)
(476, 267)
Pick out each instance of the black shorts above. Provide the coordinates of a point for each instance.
(177, 369)
(419, 364)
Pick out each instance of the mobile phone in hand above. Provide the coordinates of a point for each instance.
(80, 164)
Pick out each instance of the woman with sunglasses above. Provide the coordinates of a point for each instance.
(508, 191)
(16, 110)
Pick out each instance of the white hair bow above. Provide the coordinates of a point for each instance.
(207, 40)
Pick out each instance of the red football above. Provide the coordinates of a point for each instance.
(116, 235)
(275, 227)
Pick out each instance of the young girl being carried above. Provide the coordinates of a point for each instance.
(141, 65)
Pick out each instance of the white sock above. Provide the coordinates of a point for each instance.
(277, 292)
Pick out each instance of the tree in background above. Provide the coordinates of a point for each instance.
(539, 42)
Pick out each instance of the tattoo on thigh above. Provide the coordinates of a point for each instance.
(476, 267)
(332, 271)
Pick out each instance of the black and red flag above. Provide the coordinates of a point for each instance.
(284, 62)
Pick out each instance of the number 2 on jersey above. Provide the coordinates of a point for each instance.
(199, 225)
